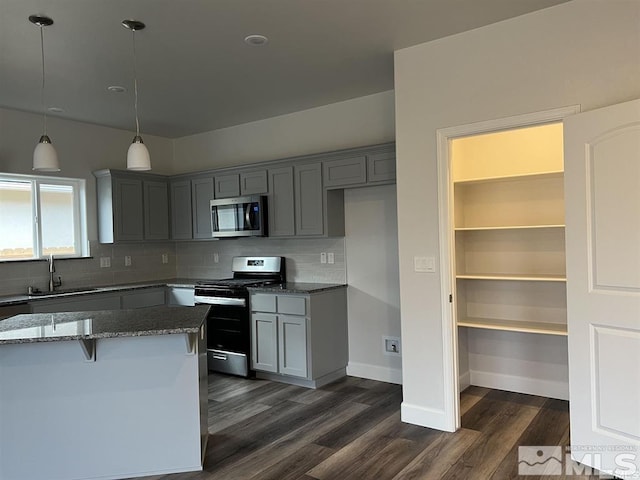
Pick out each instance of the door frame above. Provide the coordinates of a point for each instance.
(447, 240)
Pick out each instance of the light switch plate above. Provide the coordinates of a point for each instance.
(323, 257)
(105, 262)
(331, 258)
(165, 258)
(424, 264)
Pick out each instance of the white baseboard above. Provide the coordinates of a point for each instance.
(425, 417)
(512, 383)
(464, 381)
(374, 372)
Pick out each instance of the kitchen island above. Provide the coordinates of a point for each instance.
(106, 394)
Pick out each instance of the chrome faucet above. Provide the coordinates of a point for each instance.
(52, 282)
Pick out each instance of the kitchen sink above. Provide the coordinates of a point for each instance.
(62, 291)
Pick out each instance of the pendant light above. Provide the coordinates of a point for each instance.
(138, 155)
(45, 158)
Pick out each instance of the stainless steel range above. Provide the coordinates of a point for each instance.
(229, 318)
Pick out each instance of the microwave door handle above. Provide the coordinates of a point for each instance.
(214, 219)
(247, 216)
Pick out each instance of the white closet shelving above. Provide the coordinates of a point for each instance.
(509, 231)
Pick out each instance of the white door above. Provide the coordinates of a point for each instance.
(602, 190)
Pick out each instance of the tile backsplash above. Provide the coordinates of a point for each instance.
(186, 260)
(197, 259)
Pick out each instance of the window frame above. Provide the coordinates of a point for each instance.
(80, 234)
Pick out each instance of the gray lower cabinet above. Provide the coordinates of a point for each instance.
(181, 296)
(79, 303)
(147, 297)
(280, 203)
(138, 298)
(181, 220)
(227, 186)
(308, 199)
(300, 338)
(201, 195)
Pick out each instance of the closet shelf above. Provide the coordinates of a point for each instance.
(511, 178)
(514, 325)
(507, 227)
(513, 277)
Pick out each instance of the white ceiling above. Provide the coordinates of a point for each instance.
(196, 73)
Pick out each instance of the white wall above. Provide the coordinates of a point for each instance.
(353, 123)
(82, 148)
(583, 52)
(371, 252)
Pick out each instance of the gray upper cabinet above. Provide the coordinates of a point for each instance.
(227, 185)
(181, 222)
(120, 208)
(381, 167)
(308, 195)
(254, 183)
(201, 195)
(345, 171)
(280, 202)
(156, 210)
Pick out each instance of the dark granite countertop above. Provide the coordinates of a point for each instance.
(291, 287)
(173, 282)
(51, 327)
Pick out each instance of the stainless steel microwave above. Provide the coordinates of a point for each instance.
(239, 216)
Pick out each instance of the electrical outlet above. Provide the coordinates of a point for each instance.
(127, 260)
(165, 258)
(216, 257)
(323, 257)
(331, 258)
(105, 262)
(391, 346)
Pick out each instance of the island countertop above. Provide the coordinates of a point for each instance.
(51, 327)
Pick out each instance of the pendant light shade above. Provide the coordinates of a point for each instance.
(137, 156)
(45, 158)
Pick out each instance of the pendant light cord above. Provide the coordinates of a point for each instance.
(135, 83)
(44, 110)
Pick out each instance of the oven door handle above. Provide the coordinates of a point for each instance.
(239, 302)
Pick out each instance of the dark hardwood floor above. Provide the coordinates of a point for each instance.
(351, 429)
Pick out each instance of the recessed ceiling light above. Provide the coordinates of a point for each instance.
(256, 40)
(116, 89)
(55, 109)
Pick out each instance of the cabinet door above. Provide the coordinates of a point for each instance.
(128, 211)
(308, 194)
(292, 345)
(202, 194)
(381, 167)
(81, 303)
(253, 183)
(264, 342)
(156, 210)
(144, 298)
(181, 226)
(281, 208)
(227, 186)
(346, 171)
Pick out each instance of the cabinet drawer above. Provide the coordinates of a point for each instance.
(262, 302)
(350, 171)
(292, 305)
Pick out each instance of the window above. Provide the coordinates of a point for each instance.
(41, 216)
